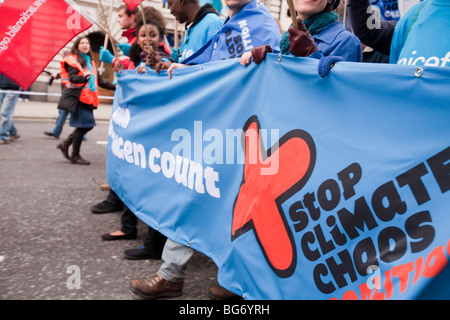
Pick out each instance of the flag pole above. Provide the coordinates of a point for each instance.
(175, 33)
(107, 26)
(293, 13)
(105, 44)
(141, 7)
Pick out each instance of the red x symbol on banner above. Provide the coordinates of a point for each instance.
(270, 178)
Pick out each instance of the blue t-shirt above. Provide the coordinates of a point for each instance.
(422, 35)
(195, 37)
(250, 27)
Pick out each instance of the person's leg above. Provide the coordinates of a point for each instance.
(128, 229)
(7, 128)
(60, 121)
(64, 146)
(75, 157)
(111, 204)
(151, 249)
(169, 279)
(175, 258)
(129, 222)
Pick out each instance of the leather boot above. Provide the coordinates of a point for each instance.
(77, 159)
(64, 146)
(156, 287)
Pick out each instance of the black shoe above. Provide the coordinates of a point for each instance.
(105, 207)
(79, 160)
(48, 133)
(110, 237)
(140, 253)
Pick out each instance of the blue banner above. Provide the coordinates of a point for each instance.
(296, 186)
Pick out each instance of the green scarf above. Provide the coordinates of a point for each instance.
(314, 24)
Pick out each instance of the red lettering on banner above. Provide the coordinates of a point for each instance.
(435, 262)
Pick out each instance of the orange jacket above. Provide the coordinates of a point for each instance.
(87, 96)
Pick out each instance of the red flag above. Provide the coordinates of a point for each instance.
(32, 32)
(132, 4)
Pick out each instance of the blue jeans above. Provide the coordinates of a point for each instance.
(175, 258)
(60, 121)
(7, 105)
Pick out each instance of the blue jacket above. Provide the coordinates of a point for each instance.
(199, 33)
(335, 40)
(252, 26)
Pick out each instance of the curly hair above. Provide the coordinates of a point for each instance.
(152, 14)
(153, 17)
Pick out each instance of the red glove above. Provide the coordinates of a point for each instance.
(301, 42)
(259, 53)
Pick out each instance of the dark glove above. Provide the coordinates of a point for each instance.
(259, 53)
(301, 42)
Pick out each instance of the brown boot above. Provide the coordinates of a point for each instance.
(156, 287)
(220, 293)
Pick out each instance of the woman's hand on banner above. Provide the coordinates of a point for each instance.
(174, 66)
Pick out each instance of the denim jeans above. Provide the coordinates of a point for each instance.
(60, 122)
(7, 105)
(175, 258)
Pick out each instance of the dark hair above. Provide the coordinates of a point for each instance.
(128, 11)
(152, 14)
(135, 49)
(77, 52)
(153, 17)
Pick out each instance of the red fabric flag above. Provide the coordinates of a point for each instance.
(132, 4)
(32, 32)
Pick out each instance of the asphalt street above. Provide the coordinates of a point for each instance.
(47, 231)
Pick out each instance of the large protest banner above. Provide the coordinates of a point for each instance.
(297, 186)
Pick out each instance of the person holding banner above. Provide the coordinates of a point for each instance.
(260, 28)
(248, 25)
(80, 96)
(319, 33)
(202, 23)
(420, 37)
(154, 242)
